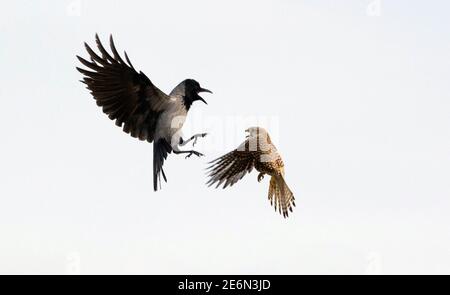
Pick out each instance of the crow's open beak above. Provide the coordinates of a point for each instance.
(205, 90)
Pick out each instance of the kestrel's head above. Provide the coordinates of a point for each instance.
(256, 131)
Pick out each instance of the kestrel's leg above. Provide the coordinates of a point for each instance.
(260, 176)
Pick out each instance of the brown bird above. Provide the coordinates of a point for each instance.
(258, 152)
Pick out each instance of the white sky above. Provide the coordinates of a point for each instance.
(357, 99)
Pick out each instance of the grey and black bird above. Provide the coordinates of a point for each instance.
(135, 104)
(259, 152)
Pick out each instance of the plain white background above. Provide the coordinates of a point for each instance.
(355, 94)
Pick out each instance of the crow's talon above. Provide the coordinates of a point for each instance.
(194, 153)
(196, 138)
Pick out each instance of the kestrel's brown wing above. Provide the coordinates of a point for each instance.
(231, 167)
(126, 96)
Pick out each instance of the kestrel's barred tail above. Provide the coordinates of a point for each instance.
(281, 195)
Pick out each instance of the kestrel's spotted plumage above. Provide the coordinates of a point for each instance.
(258, 152)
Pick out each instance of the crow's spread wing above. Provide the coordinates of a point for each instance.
(126, 96)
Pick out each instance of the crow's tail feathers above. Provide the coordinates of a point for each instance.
(161, 149)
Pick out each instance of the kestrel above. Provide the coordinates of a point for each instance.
(258, 152)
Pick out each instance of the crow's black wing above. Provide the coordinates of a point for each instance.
(126, 96)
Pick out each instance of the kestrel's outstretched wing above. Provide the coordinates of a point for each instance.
(232, 167)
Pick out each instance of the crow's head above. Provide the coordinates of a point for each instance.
(191, 90)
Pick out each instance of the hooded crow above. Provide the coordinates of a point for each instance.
(135, 104)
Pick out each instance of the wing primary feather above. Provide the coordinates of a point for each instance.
(94, 55)
(90, 65)
(114, 50)
(103, 51)
(128, 60)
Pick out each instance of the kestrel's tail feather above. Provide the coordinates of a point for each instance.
(281, 195)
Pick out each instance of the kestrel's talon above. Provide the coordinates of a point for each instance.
(260, 177)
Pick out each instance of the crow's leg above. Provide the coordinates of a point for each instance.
(260, 176)
(193, 137)
(190, 153)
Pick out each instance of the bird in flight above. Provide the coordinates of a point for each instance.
(258, 152)
(137, 105)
